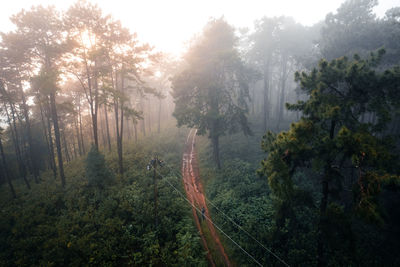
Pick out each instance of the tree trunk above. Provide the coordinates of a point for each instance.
(107, 128)
(321, 261)
(266, 97)
(159, 116)
(135, 128)
(94, 115)
(58, 139)
(29, 133)
(143, 127)
(6, 172)
(128, 130)
(66, 152)
(143, 123)
(53, 156)
(74, 148)
(118, 105)
(15, 137)
(116, 111)
(49, 140)
(94, 128)
(282, 93)
(322, 222)
(92, 97)
(80, 127)
(77, 136)
(45, 133)
(103, 135)
(149, 116)
(120, 162)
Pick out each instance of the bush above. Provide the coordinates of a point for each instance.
(80, 226)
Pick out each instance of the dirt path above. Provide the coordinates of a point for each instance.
(195, 193)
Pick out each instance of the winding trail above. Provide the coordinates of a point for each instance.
(195, 193)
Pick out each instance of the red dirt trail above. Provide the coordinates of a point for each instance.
(195, 193)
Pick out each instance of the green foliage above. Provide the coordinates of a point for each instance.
(202, 98)
(353, 29)
(115, 226)
(211, 92)
(240, 193)
(97, 172)
(337, 146)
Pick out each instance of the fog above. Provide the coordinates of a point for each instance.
(294, 106)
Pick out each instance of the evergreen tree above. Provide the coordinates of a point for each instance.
(211, 92)
(338, 146)
(97, 173)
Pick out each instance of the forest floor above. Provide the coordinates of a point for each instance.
(195, 193)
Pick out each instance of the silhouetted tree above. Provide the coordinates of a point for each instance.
(211, 92)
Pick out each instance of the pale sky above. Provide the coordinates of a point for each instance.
(168, 24)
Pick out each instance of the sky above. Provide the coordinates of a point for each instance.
(169, 24)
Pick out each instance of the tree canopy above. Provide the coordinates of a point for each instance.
(339, 143)
(211, 91)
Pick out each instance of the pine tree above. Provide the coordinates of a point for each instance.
(211, 92)
(337, 143)
(97, 173)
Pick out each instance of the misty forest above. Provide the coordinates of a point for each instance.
(276, 145)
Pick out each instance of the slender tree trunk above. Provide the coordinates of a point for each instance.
(75, 150)
(135, 128)
(103, 136)
(66, 152)
(119, 139)
(45, 132)
(107, 128)
(53, 156)
(80, 127)
(91, 131)
(159, 116)
(58, 139)
(128, 130)
(282, 93)
(15, 137)
(94, 128)
(121, 169)
(4, 167)
(266, 97)
(118, 106)
(92, 97)
(215, 136)
(29, 133)
(77, 136)
(143, 127)
(21, 139)
(149, 116)
(321, 261)
(143, 123)
(94, 115)
(120, 162)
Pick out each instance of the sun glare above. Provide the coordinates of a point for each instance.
(87, 39)
(157, 74)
